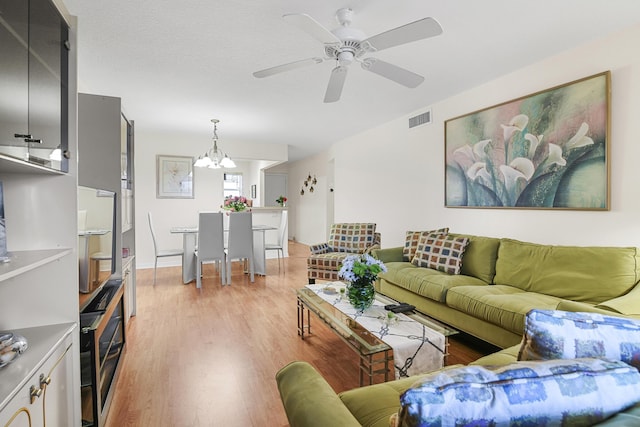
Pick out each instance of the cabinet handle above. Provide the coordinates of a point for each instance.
(34, 393)
(44, 381)
(39, 141)
(22, 135)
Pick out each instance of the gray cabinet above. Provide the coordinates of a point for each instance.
(34, 64)
(39, 284)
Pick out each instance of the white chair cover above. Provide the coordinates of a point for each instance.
(210, 244)
(240, 241)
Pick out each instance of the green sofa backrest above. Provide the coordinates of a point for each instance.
(589, 274)
(479, 259)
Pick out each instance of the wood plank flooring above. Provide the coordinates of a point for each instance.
(208, 357)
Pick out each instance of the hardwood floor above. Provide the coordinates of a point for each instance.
(208, 357)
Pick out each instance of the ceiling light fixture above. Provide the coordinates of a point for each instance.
(215, 158)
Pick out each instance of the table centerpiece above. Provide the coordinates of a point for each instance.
(361, 271)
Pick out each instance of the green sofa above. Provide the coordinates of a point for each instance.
(501, 280)
(309, 401)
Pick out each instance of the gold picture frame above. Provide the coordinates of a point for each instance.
(547, 150)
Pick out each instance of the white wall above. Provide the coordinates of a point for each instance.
(394, 176)
(208, 189)
(307, 214)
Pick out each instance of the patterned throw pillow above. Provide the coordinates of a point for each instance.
(412, 239)
(443, 253)
(553, 334)
(351, 237)
(578, 392)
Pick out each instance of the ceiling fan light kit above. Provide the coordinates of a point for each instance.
(346, 45)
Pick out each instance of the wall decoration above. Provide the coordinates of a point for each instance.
(254, 191)
(309, 183)
(174, 178)
(547, 150)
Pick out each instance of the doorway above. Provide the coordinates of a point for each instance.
(275, 185)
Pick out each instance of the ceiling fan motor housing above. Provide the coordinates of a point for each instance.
(350, 47)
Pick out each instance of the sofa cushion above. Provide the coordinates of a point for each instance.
(425, 282)
(372, 405)
(570, 272)
(443, 253)
(504, 306)
(412, 238)
(351, 237)
(480, 257)
(328, 261)
(578, 392)
(550, 334)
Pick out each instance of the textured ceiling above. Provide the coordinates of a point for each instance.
(177, 64)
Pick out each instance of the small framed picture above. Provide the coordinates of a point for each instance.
(174, 179)
(253, 191)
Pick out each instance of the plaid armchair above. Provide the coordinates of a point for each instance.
(344, 239)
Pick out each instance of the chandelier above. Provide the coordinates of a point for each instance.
(215, 158)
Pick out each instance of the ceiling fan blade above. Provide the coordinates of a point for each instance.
(392, 72)
(312, 27)
(418, 30)
(287, 67)
(336, 83)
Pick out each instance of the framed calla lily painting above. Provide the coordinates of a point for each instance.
(547, 150)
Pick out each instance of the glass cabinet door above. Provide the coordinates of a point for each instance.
(33, 82)
(14, 76)
(48, 80)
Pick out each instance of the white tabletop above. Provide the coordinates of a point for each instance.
(256, 227)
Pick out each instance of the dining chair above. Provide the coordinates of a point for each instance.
(240, 246)
(282, 238)
(160, 253)
(210, 244)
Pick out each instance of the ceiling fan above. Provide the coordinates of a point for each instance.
(346, 44)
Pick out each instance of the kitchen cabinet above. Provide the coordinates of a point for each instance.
(34, 62)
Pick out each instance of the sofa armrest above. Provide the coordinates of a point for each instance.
(320, 248)
(309, 401)
(388, 254)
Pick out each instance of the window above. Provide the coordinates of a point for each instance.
(232, 184)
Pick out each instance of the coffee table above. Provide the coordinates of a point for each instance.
(376, 356)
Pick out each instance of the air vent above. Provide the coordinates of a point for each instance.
(421, 119)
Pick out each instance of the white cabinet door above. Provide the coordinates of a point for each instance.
(20, 412)
(45, 400)
(57, 396)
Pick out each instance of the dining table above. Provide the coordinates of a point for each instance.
(189, 243)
